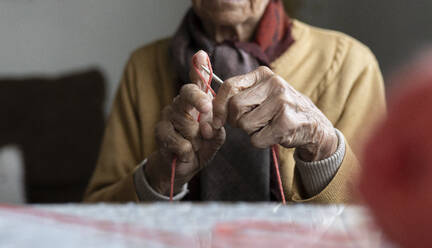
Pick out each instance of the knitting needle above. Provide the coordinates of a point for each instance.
(215, 77)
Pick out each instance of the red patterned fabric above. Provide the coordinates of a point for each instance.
(273, 34)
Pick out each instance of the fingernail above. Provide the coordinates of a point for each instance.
(217, 123)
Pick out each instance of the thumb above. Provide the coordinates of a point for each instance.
(196, 73)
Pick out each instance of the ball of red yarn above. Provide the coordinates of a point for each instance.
(396, 182)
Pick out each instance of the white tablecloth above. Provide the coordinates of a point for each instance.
(188, 225)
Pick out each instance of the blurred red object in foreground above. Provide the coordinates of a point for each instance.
(397, 175)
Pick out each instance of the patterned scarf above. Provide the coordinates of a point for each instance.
(239, 171)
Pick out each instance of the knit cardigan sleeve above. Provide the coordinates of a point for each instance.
(112, 180)
(352, 96)
(129, 135)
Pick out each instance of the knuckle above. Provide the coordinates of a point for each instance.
(234, 104)
(184, 123)
(230, 86)
(282, 100)
(202, 96)
(284, 119)
(284, 110)
(190, 130)
(187, 89)
(184, 147)
(278, 84)
(264, 70)
(284, 126)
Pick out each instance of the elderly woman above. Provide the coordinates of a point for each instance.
(311, 92)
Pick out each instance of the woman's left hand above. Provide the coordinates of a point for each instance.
(273, 112)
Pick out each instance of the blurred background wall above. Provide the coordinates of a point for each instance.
(56, 36)
(51, 37)
(394, 29)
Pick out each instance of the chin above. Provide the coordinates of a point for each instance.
(224, 12)
(227, 17)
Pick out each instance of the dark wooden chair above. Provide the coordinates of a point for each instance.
(58, 124)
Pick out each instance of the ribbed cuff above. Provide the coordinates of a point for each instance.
(146, 193)
(318, 174)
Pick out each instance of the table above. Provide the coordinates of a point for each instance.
(181, 225)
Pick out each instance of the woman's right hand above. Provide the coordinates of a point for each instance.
(180, 135)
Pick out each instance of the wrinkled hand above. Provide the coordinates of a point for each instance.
(180, 135)
(272, 112)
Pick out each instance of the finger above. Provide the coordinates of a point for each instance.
(188, 127)
(249, 99)
(260, 116)
(285, 128)
(265, 137)
(196, 73)
(277, 93)
(173, 143)
(219, 138)
(206, 130)
(232, 87)
(280, 127)
(192, 97)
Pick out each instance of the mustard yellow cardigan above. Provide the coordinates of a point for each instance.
(339, 74)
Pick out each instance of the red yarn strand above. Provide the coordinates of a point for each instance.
(276, 164)
(173, 169)
(208, 83)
